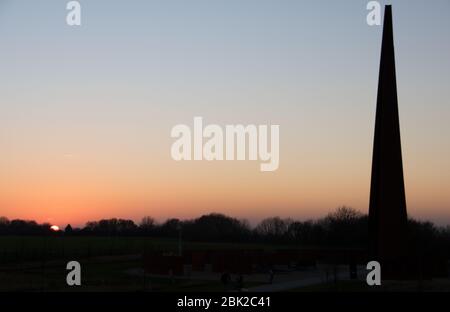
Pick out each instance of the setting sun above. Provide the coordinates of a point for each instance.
(54, 228)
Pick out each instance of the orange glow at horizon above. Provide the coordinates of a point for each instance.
(187, 190)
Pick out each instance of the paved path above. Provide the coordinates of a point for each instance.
(282, 286)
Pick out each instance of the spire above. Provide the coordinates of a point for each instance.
(387, 210)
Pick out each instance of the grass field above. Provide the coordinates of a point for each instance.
(99, 276)
(35, 248)
(435, 285)
(33, 263)
(30, 263)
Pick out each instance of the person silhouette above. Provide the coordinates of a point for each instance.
(271, 276)
(225, 279)
(240, 282)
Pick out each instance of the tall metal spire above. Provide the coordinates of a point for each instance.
(387, 210)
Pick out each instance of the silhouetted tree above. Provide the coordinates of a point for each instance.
(301, 232)
(111, 227)
(4, 225)
(216, 227)
(170, 228)
(68, 230)
(345, 227)
(148, 226)
(273, 228)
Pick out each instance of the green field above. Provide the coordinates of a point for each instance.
(15, 249)
(435, 285)
(110, 275)
(30, 263)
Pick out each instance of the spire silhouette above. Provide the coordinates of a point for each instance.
(387, 209)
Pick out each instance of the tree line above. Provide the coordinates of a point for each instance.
(343, 227)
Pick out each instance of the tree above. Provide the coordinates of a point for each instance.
(111, 227)
(4, 224)
(148, 226)
(68, 229)
(346, 226)
(170, 228)
(302, 232)
(217, 227)
(273, 228)
(148, 222)
(344, 214)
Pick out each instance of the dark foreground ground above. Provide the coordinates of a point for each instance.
(116, 264)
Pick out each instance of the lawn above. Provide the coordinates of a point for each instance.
(99, 276)
(33, 263)
(435, 285)
(14, 249)
(36, 248)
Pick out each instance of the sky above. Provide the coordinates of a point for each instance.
(86, 111)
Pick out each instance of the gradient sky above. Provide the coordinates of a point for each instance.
(86, 112)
